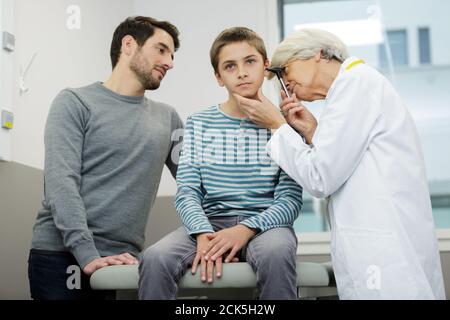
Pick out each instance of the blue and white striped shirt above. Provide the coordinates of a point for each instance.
(224, 170)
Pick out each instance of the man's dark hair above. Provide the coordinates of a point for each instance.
(140, 28)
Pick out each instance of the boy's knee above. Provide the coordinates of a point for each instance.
(276, 252)
(280, 253)
(154, 257)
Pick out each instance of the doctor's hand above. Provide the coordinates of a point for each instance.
(261, 111)
(229, 239)
(298, 117)
(94, 265)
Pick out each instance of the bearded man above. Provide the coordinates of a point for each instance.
(105, 148)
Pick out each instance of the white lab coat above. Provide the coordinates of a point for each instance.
(366, 157)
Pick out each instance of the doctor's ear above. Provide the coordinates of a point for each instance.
(318, 56)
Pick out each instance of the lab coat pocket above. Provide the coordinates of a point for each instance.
(374, 265)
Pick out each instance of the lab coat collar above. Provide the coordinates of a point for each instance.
(343, 68)
(347, 62)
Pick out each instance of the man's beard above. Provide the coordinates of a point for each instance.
(145, 77)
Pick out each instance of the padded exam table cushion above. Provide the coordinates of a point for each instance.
(234, 275)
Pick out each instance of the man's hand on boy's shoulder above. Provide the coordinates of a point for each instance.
(228, 240)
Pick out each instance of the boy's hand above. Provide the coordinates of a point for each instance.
(94, 265)
(206, 267)
(233, 239)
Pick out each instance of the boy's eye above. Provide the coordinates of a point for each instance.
(229, 66)
(250, 61)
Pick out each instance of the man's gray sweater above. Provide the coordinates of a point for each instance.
(104, 155)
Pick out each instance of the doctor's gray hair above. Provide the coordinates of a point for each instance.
(305, 44)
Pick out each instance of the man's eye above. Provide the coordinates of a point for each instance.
(250, 61)
(229, 66)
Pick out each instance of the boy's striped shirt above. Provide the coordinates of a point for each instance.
(224, 170)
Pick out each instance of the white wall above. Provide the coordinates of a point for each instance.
(6, 75)
(191, 85)
(74, 58)
(65, 58)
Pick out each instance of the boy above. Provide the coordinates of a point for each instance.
(233, 201)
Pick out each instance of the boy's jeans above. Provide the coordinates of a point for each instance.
(271, 255)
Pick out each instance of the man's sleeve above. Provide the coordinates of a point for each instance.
(190, 193)
(177, 128)
(64, 137)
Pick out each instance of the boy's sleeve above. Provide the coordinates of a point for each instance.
(64, 138)
(190, 193)
(285, 208)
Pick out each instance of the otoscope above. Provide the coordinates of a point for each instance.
(279, 73)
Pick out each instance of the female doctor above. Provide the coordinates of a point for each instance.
(363, 155)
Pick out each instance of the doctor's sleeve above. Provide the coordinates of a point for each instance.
(341, 139)
(189, 197)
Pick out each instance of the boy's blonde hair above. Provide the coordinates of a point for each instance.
(232, 35)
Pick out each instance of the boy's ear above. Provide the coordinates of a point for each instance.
(219, 79)
(266, 65)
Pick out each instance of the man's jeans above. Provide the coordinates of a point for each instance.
(271, 255)
(48, 274)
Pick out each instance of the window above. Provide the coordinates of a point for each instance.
(395, 41)
(424, 46)
(397, 44)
